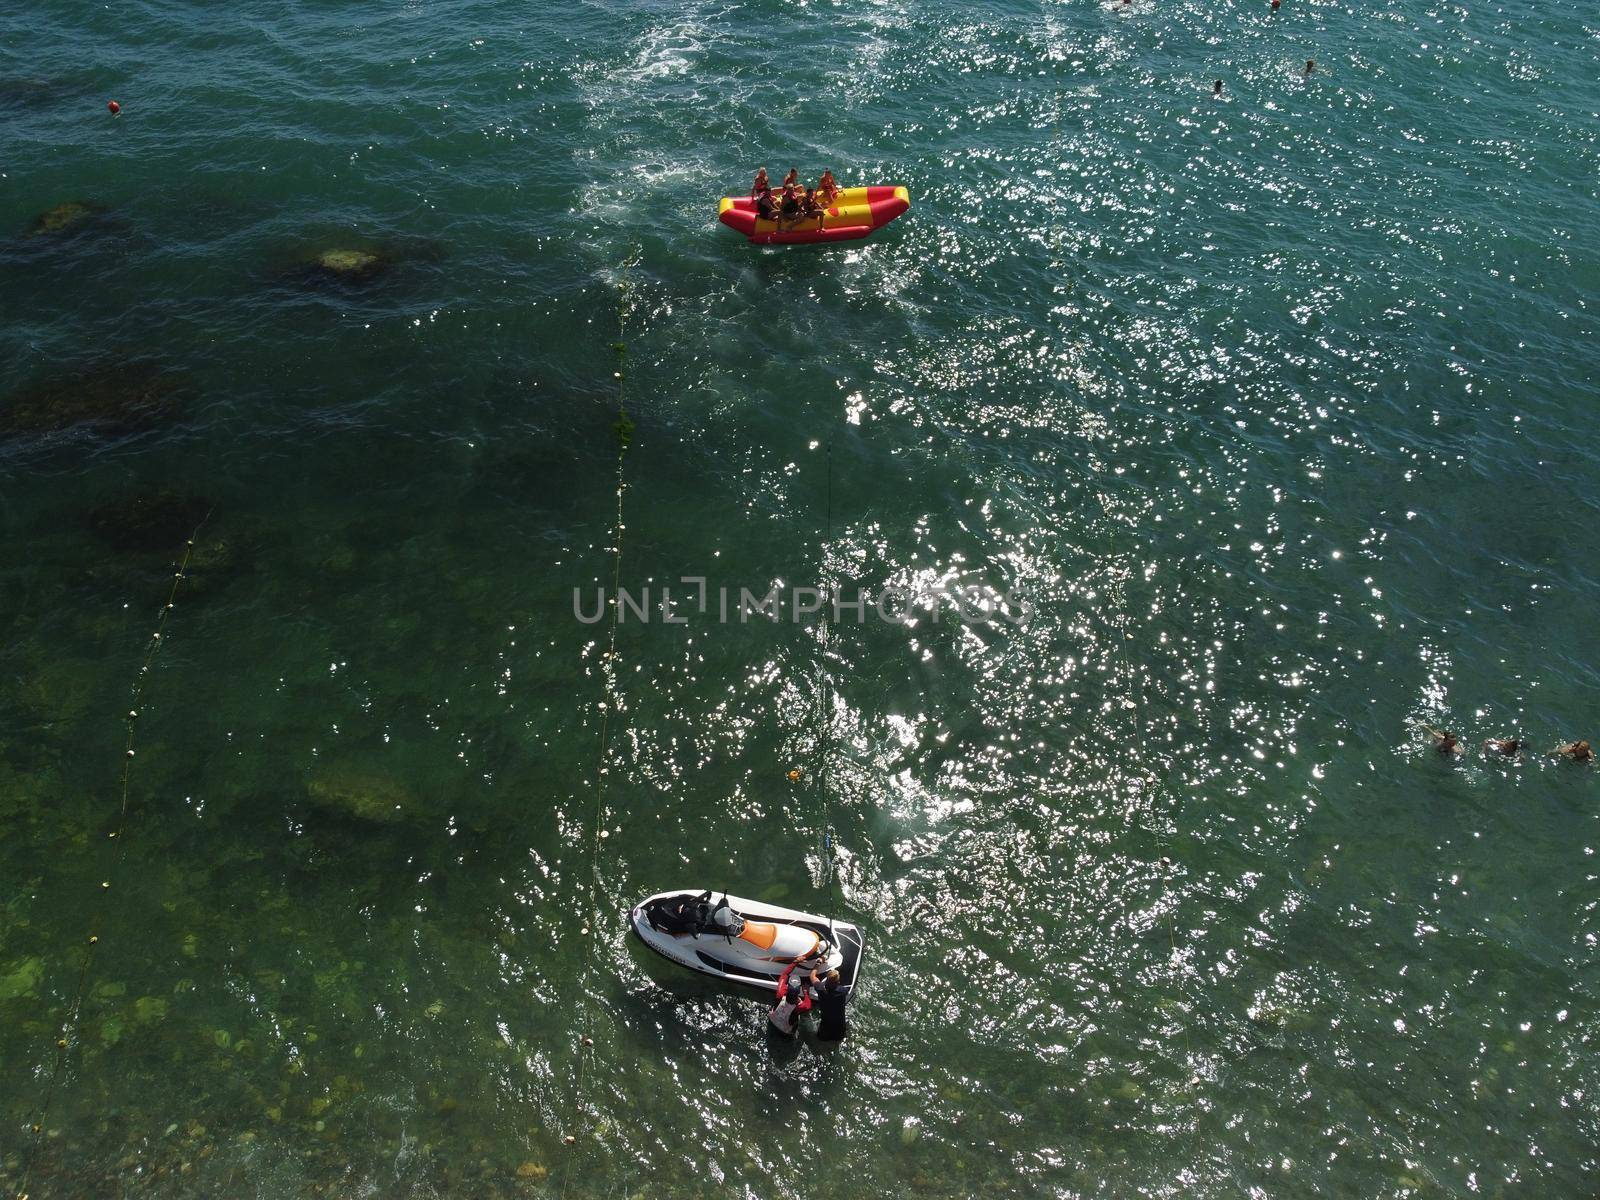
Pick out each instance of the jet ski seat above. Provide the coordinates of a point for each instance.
(759, 934)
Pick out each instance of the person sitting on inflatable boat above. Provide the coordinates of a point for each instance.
(827, 190)
(761, 184)
(789, 208)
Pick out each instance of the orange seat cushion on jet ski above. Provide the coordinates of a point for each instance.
(759, 934)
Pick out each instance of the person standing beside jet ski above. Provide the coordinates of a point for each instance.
(829, 997)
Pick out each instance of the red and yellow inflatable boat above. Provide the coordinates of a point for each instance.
(855, 214)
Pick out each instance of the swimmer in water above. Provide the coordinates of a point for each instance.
(1509, 747)
(1577, 752)
(1445, 742)
(794, 998)
(831, 995)
(1216, 89)
(1311, 66)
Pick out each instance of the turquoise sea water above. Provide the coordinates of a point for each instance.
(1277, 409)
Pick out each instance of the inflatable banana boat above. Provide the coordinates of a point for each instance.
(745, 941)
(855, 214)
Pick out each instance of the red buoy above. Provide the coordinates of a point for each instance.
(114, 108)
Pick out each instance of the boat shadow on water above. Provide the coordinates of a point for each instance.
(110, 396)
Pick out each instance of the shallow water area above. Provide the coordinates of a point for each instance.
(1271, 413)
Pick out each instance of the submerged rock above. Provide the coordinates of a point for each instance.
(60, 690)
(1281, 1016)
(25, 795)
(26, 93)
(143, 538)
(349, 265)
(323, 260)
(22, 979)
(64, 218)
(116, 396)
(149, 531)
(363, 794)
(349, 262)
(216, 556)
(149, 521)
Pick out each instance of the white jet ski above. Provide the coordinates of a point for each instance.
(745, 941)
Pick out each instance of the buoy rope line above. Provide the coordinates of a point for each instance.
(611, 702)
(67, 1036)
